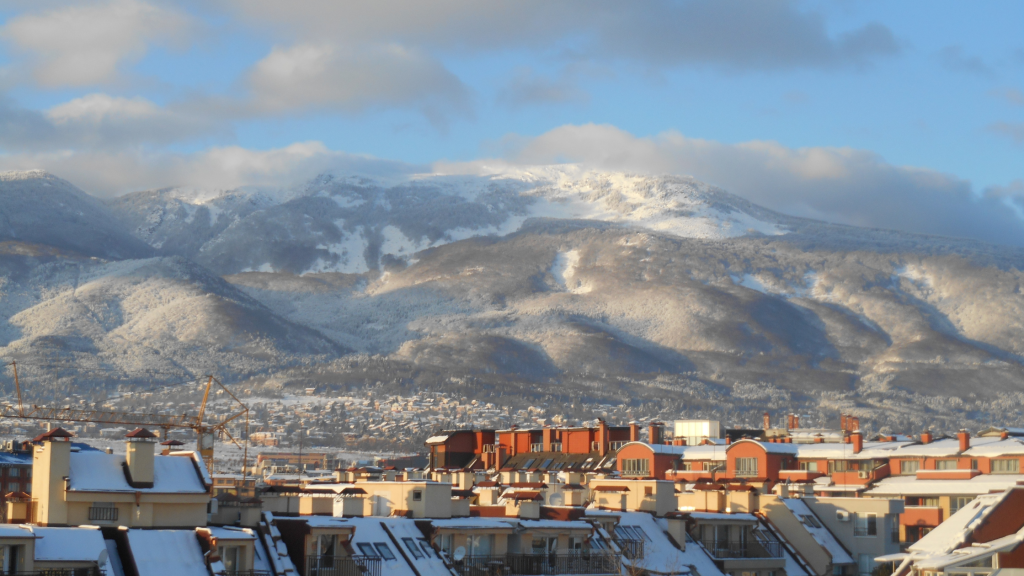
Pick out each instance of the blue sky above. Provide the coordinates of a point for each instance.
(895, 114)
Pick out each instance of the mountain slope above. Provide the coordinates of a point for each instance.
(37, 207)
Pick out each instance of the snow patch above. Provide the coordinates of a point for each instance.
(564, 271)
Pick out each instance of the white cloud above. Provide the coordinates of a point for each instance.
(81, 45)
(103, 121)
(329, 76)
(111, 173)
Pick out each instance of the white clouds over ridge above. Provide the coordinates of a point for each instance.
(81, 45)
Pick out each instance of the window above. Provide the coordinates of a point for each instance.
(945, 464)
(14, 472)
(974, 464)
(103, 512)
(909, 466)
(711, 466)
(480, 545)
(384, 551)
(536, 447)
(325, 545)
(529, 463)
(13, 487)
(426, 548)
(865, 563)
(867, 525)
(809, 520)
(367, 549)
(648, 491)
(413, 549)
(809, 466)
(636, 467)
(932, 501)
(446, 543)
(417, 495)
(958, 502)
(229, 556)
(546, 463)
(1005, 466)
(746, 466)
(556, 446)
(894, 527)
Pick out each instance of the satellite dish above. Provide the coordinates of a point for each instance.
(459, 554)
(102, 559)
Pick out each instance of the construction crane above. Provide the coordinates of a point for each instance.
(205, 431)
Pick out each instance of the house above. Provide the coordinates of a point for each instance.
(140, 489)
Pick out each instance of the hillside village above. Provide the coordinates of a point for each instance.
(686, 497)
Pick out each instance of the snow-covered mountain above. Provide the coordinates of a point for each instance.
(353, 225)
(552, 283)
(39, 208)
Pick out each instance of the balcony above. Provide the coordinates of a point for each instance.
(722, 550)
(799, 475)
(930, 516)
(539, 564)
(342, 566)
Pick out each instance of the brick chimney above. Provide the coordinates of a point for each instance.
(767, 421)
(842, 423)
(796, 420)
(854, 422)
(789, 422)
(1004, 435)
(857, 439)
(634, 432)
(602, 437)
(965, 440)
(926, 437)
(654, 433)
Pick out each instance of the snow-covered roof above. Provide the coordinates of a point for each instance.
(899, 486)
(15, 531)
(102, 472)
(437, 439)
(739, 517)
(687, 452)
(371, 539)
(229, 532)
(952, 533)
(840, 451)
(971, 553)
(1010, 446)
(472, 523)
(556, 524)
(818, 531)
(660, 555)
(68, 544)
(940, 448)
(167, 552)
(418, 551)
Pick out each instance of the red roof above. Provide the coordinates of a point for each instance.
(528, 485)
(140, 433)
(53, 435)
(525, 496)
(172, 443)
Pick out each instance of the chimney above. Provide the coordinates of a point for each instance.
(139, 457)
(1004, 435)
(857, 439)
(51, 467)
(965, 440)
(654, 433)
(789, 422)
(842, 422)
(728, 440)
(854, 422)
(796, 421)
(548, 433)
(767, 421)
(602, 437)
(926, 437)
(634, 432)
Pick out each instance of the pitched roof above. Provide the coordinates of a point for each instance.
(53, 434)
(140, 433)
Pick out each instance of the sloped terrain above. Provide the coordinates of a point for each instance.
(550, 285)
(39, 208)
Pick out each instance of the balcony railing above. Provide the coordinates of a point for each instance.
(749, 549)
(342, 566)
(245, 573)
(104, 514)
(632, 549)
(539, 564)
